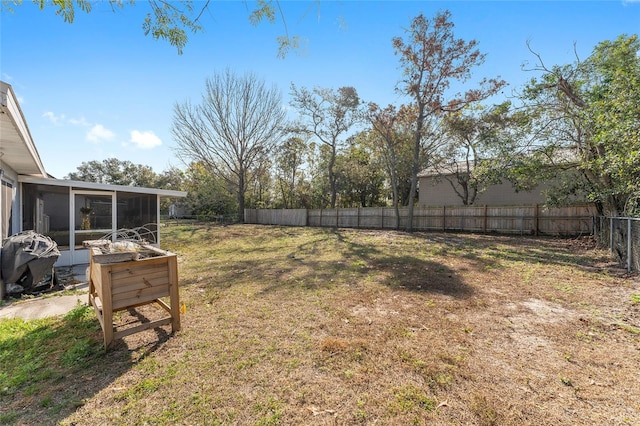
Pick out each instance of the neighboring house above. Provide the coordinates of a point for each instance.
(436, 188)
(70, 212)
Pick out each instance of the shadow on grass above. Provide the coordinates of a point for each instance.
(332, 259)
(51, 366)
(408, 271)
(317, 258)
(494, 250)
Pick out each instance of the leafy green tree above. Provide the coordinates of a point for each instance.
(233, 131)
(327, 115)
(260, 192)
(207, 195)
(587, 114)
(171, 20)
(167, 20)
(289, 159)
(360, 176)
(173, 179)
(115, 172)
(431, 59)
(317, 192)
(480, 144)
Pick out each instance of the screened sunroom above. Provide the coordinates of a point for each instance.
(71, 212)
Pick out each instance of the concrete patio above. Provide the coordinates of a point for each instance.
(54, 303)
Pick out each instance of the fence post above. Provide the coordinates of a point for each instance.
(357, 217)
(628, 245)
(484, 223)
(444, 219)
(611, 234)
(536, 219)
(337, 217)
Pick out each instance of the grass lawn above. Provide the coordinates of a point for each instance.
(300, 326)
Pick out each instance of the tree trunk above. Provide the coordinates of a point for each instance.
(241, 192)
(394, 185)
(332, 177)
(396, 200)
(416, 165)
(412, 198)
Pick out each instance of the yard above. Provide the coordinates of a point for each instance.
(311, 326)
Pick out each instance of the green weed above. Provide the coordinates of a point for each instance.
(627, 327)
(409, 399)
(485, 411)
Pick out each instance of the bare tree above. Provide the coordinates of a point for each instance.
(432, 58)
(233, 130)
(327, 115)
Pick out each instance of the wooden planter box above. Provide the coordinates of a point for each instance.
(119, 281)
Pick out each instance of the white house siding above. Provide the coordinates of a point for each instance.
(8, 202)
(440, 193)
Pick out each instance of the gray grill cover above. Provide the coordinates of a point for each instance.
(27, 253)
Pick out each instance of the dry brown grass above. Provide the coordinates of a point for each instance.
(305, 326)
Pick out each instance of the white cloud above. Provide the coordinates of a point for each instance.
(79, 122)
(99, 133)
(145, 140)
(60, 119)
(55, 119)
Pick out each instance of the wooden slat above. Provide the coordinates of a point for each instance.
(141, 267)
(174, 296)
(135, 298)
(142, 327)
(134, 306)
(97, 305)
(164, 305)
(138, 282)
(159, 291)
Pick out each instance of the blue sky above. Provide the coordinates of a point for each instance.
(100, 88)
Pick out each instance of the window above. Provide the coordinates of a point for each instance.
(93, 216)
(6, 198)
(46, 211)
(138, 210)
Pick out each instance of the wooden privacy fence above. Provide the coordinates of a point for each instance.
(524, 220)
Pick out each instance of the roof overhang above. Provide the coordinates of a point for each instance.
(75, 184)
(17, 149)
